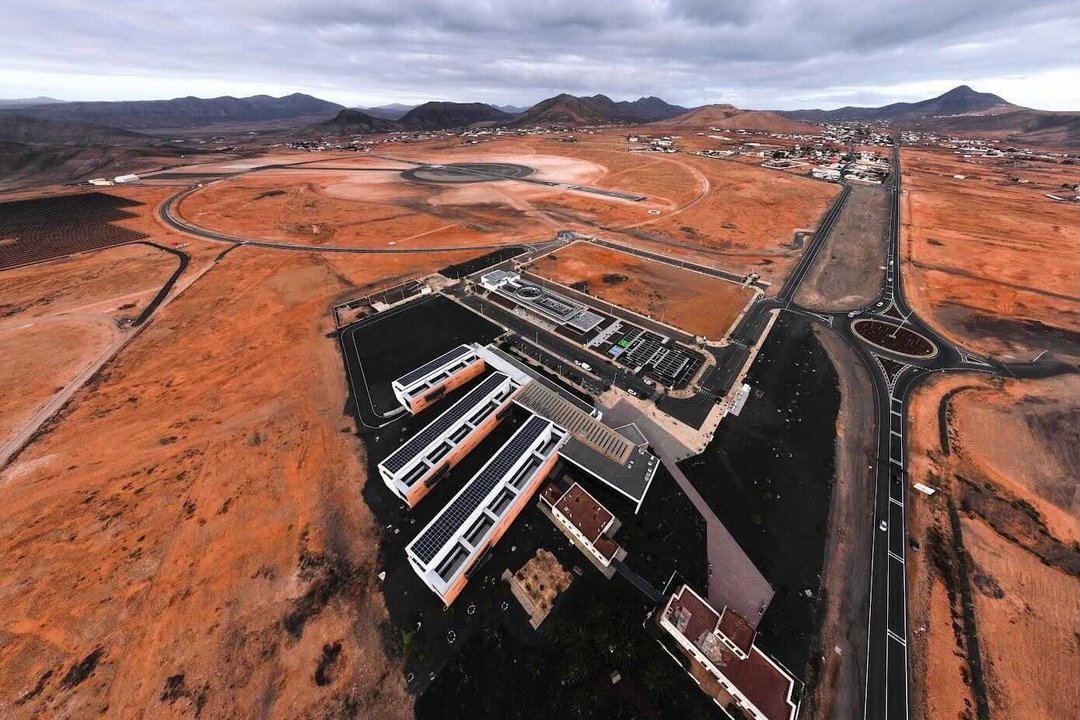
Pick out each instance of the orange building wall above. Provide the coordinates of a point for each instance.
(541, 474)
(420, 489)
(451, 384)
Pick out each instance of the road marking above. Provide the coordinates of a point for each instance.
(897, 638)
(894, 432)
(894, 556)
(898, 502)
(896, 413)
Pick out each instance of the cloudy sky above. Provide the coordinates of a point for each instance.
(776, 54)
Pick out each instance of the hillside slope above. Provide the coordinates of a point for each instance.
(729, 117)
(443, 115)
(186, 111)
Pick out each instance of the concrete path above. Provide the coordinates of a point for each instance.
(735, 580)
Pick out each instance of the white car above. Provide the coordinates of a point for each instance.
(632, 391)
(882, 526)
(585, 366)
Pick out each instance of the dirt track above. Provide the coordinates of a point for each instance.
(848, 271)
(838, 692)
(1010, 455)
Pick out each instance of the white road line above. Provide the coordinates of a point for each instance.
(897, 638)
(898, 502)
(894, 556)
(895, 432)
(897, 413)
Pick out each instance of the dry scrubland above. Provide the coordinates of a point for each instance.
(723, 214)
(187, 536)
(1010, 477)
(991, 264)
(699, 304)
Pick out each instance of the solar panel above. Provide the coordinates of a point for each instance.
(428, 544)
(447, 357)
(404, 454)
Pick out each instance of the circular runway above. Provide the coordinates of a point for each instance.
(462, 173)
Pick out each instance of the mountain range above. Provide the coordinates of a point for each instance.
(186, 111)
(961, 109)
(960, 100)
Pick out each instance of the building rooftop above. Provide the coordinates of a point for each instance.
(584, 512)
(762, 683)
(445, 550)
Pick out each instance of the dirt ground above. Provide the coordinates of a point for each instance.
(848, 271)
(838, 691)
(727, 215)
(187, 537)
(699, 304)
(990, 262)
(1009, 476)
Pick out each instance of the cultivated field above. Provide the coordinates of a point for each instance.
(990, 262)
(698, 304)
(1007, 496)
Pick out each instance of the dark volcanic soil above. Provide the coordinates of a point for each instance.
(768, 475)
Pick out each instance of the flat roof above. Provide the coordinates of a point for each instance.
(499, 355)
(584, 512)
(432, 366)
(758, 678)
(405, 454)
(438, 533)
(631, 479)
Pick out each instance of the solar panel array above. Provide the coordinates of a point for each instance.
(428, 544)
(404, 454)
(447, 357)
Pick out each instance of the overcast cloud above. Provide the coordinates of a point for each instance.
(775, 54)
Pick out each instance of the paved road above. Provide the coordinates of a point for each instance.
(887, 688)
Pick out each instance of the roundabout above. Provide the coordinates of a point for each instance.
(895, 339)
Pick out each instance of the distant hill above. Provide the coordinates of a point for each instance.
(729, 117)
(186, 111)
(1022, 126)
(393, 111)
(567, 109)
(18, 128)
(960, 100)
(646, 109)
(27, 102)
(443, 115)
(349, 122)
(512, 109)
(963, 110)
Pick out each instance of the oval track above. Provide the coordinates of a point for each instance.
(167, 214)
